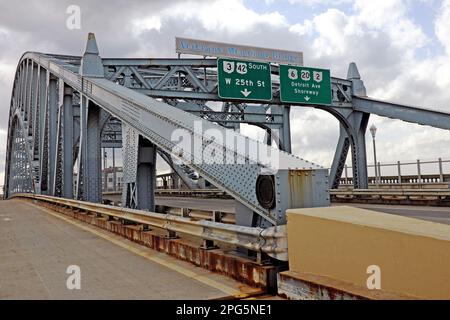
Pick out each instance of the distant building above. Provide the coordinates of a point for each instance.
(108, 174)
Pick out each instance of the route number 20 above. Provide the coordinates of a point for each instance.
(305, 75)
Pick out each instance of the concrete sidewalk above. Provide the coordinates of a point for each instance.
(37, 245)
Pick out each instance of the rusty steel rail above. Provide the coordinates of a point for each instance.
(272, 241)
(420, 193)
(213, 193)
(412, 194)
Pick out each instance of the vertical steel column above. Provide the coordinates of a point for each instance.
(399, 172)
(105, 174)
(28, 91)
(359, 126)
(360, 121)
(29, 95)
(340, 156)
(52, 129)
(114, 169)
(19, 86)
(81, 147)
(130, 148)
(43, 150)
(286, 130)
(89, 181)
(146, 175)
(34, 102)
(68, 143)
(24, 89)
(353, 136)
(139, 170)
(89, 159)
(92, 164)
(441, 175)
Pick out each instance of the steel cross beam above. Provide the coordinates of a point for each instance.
(418, 115)
(194, 79)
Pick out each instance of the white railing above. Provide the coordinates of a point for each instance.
(412, 172)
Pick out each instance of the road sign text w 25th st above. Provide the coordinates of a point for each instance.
(244, 80)
(305, 85)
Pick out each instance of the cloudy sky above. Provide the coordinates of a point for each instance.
(402, 49)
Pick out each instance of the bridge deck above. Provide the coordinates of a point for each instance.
(37, 246)
(434, 214)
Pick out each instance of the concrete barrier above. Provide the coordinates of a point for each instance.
(335, 252)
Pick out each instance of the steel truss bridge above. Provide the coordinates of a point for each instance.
(64, 109)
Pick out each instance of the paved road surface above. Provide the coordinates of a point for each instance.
(435, 214)
(37, 245)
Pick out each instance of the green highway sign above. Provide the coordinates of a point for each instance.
(244, 80)
(305, 85)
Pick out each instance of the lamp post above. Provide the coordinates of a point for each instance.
(373, 131)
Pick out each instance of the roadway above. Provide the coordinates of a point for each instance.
(37, 245)
(434, 214)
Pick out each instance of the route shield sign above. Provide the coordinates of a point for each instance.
(244, 80)
(305, 85)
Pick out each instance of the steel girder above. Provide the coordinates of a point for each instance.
(139, 170)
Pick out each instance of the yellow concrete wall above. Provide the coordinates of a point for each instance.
(341, 242)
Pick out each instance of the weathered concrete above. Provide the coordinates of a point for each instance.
(36, 247)
(342, 242)
(304, 286)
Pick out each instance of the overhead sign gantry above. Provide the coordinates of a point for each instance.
(305, 85)
(240, 79)
(244, 73)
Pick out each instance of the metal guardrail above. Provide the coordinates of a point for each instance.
(213, 193)
(192, 192)
(216, 215)
(272, 241)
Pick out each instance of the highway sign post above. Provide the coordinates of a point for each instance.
(244, 80)
(305, 85)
